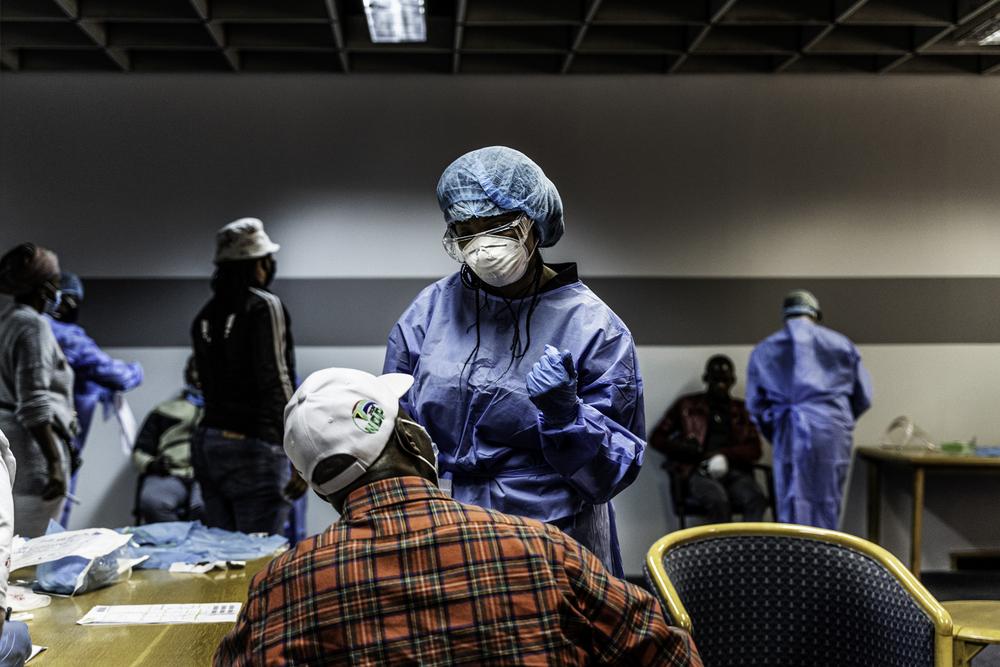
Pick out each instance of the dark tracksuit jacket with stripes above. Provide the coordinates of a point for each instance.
(246, 362)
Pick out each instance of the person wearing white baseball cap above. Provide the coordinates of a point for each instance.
(245, 357)
(408, 575)
(337, 427)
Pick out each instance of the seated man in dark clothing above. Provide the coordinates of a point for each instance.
(711, 443)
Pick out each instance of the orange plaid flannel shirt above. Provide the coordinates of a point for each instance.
(411, 576)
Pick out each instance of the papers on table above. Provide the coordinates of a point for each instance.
(162, 614)
(89, 543)
(126, 422)
(35, 650)
(202, 568)
(20, 598)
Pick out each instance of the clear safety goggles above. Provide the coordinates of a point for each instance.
(516, 229)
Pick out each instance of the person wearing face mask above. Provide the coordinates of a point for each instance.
(245, 358)
(711, 444)
(407, 575)
(97, 377)
(36, 387)
(806, 388)
(527, 381)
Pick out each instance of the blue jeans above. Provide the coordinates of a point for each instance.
(169, 498)
(242, 481)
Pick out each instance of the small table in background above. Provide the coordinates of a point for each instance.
(977, 624)
(919, 462)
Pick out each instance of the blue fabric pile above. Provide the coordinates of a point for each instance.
(191, 542)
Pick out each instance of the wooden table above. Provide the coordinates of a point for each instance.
(167, 645)
(920, 463)
(977, 624)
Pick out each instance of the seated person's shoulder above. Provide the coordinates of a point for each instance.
(299, 558)
(530, 532)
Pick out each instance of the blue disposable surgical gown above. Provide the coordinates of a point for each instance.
(493, 444)
(96, 375)
(96, 378)
(806, 387)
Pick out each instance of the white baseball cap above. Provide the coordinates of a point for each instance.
(342, 411)
(243, 239)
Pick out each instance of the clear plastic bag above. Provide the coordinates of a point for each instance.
(75, 574)
(903, 433)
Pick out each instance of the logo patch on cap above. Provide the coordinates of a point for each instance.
(368, 416)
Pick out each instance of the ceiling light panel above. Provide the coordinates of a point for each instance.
(395, 21)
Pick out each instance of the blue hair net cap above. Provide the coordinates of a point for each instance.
(496, 180)
(70, 283)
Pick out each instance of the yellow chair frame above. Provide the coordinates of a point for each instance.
(943, 627)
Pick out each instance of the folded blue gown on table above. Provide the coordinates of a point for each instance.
(191, 542)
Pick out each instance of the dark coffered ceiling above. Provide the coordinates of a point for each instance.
(502, 36)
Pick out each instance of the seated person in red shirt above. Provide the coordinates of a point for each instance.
(711, 443)
(409, 576)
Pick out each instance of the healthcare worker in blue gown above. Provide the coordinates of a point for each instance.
(525, 379)
(806, 388)
(97, 376)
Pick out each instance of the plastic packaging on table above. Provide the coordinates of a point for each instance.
(903, 433)
(76, 574)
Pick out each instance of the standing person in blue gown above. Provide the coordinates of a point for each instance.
(806, 388)
(97, 377)
(525, 379)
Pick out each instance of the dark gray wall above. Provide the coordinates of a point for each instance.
(659, 311)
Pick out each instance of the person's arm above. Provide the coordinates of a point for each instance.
(242, 647)
(147, 442)
(402, 351)
(757, 401)
(662, 436)
(861, 396)
(668, 438)
(32, 377)
(273, 364)
(269, 361)
(94, 364)
(746, 449)
(627, 623)
(600, 450)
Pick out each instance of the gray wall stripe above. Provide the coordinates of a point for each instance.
(155, 312)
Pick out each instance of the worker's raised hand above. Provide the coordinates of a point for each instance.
(551, 386)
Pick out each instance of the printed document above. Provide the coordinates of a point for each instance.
(162, 614)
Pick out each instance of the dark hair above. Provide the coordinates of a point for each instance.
(718, 359)
(517, 350)
(233, 278)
